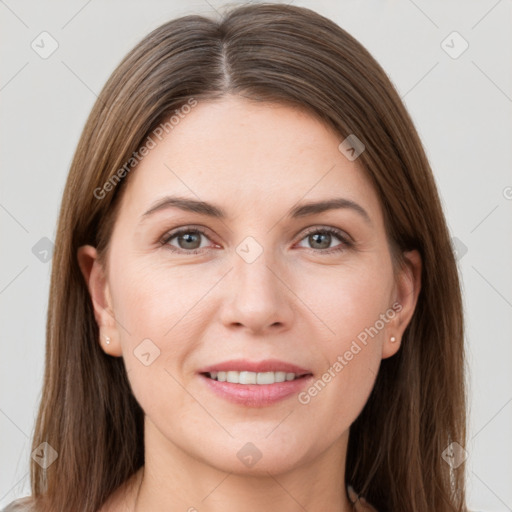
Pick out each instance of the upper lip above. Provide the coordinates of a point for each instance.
(267, 365)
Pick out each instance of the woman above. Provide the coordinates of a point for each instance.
(254, 301)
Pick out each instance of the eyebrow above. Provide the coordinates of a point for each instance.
(302, 210)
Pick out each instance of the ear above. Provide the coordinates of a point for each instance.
(99, 290)
(406, 294)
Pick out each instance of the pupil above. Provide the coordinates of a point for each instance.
(190, 238)
(316, 237)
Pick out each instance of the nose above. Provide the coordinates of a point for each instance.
(257, 296)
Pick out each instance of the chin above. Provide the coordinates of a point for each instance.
(258, 457)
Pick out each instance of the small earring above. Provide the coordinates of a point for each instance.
(107, 339)
(392, 339)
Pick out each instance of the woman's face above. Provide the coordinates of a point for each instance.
(313, 289)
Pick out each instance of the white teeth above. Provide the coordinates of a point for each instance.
(252, 377)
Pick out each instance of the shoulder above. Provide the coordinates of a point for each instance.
(20, 505)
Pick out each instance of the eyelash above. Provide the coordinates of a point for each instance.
(346, 244)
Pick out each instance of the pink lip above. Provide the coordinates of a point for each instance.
(256, 395)
(268, 365)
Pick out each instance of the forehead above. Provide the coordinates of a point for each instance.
(243, 155)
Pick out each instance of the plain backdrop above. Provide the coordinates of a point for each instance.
(459, 98)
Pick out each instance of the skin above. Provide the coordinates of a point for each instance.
(295, 303)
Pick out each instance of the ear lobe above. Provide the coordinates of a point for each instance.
(97, 285)
(407, 292)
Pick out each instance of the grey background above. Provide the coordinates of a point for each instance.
(462, 109)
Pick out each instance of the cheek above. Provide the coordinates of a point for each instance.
(350, 302)
(336, 398)
(159, 318)
(339, 392)
(346, 299)
(150, 299)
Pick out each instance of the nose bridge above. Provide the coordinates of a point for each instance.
(256, 296)
(252, 264)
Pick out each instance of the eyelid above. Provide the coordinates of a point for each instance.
(346, 241)
(336, 231)
(184, 229)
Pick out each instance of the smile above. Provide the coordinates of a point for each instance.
(269, 391)
(246, 377)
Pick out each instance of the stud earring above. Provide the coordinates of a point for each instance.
(392, 339)
(107, 339)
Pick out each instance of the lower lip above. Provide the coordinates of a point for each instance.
(257, 395)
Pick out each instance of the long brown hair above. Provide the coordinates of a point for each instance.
(268, 53)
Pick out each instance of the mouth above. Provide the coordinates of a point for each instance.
(252, 383)
(254, 378)
(256, 388)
